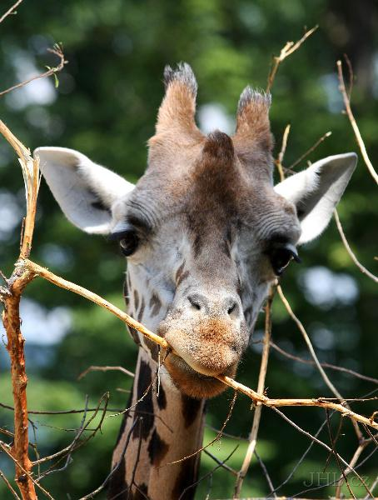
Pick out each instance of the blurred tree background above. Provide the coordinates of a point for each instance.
(105, 106)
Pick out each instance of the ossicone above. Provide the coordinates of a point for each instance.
(176, 113)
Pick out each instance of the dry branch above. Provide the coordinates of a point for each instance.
(350, 251)
(281, 154)
(10, 11)
(57, 50)
(256, 397)
(323, 374)
(286, 51)
(105, 369)
(11, 296)
(310, 150)
(353, 122)
(324, 365)
(260, 389)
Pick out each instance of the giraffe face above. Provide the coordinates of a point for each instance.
(201, 256)
(204, 231)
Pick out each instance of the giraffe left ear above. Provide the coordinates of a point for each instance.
(316, 191)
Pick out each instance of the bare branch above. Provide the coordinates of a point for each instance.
(9, 486)
(10, 11)
(353, 122)
(310, 150)
(260, 389)
(115, 468)
(265, 471)
(302, 329)
(105, 369)
(57, 50)
(281, 154)
(350, 251)
(324, 365)
(320, 402)
(209, 473)
(286, 51)
(321, 443)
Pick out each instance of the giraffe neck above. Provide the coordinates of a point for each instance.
(161, 426)
(158, 430)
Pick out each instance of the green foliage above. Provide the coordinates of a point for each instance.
(105, 106)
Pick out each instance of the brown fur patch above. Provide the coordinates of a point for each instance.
(190, 408)
(136, 300)
(219, 146)
(134, 335)
(139, 492)
(117, 483)
(145, 408)
(141, 310)
(157, 449)
(162, 399)
(155, 305)
(152, 347)
(186, 478)
(181, 274)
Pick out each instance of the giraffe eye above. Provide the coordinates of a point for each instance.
(281, 257)
(129, 242)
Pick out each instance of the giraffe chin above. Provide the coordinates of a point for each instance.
(192, 383)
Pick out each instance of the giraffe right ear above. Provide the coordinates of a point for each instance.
(85, 191)
(317, 190)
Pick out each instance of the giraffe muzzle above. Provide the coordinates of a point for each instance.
(209, 338)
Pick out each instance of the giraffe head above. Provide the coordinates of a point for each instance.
(204, 231)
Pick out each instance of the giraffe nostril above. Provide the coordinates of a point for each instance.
(194, 303)
(231, 309)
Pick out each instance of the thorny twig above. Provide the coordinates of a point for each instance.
(12, 321)
(219, 462)
(265, 471)
(10, 487)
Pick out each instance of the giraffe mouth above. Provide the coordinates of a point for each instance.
(193, 383)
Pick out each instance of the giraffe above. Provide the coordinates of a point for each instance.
(205, 234)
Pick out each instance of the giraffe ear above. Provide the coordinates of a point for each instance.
(317, 190)
(85, 191)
